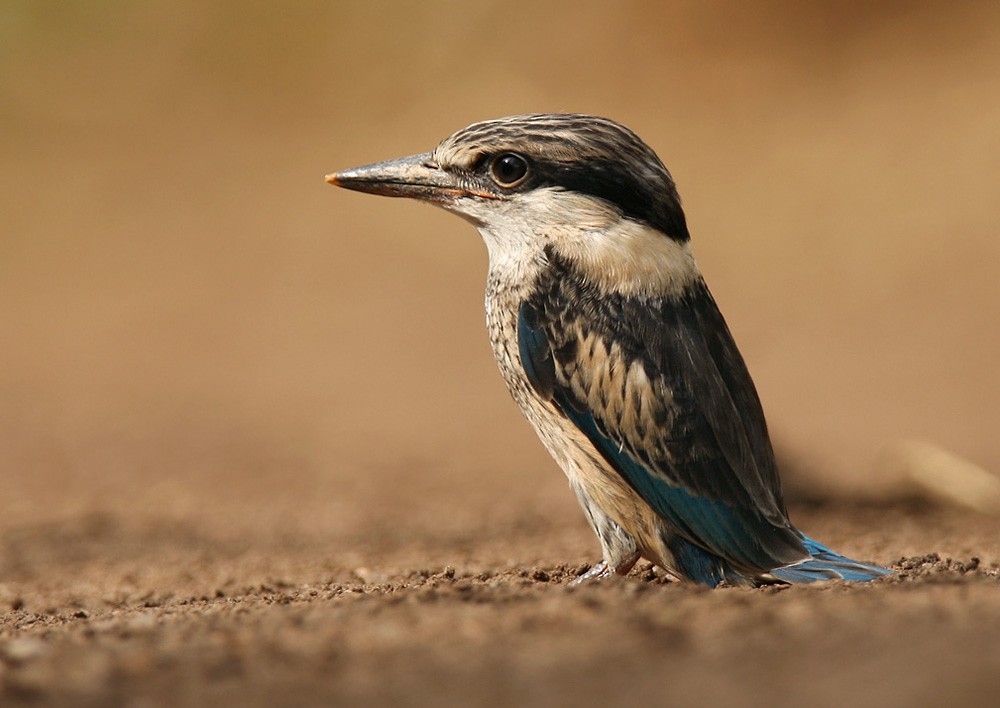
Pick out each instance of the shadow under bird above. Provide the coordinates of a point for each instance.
(614, 349)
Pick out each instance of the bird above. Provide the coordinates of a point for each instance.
(614, 349)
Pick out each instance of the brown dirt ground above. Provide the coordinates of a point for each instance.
(102, 611)
(254, 450)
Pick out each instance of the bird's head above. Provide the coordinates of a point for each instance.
(585, 186)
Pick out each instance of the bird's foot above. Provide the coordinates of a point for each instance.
(599, 571)
(604, 570)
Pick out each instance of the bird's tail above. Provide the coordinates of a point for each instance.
(827, 565)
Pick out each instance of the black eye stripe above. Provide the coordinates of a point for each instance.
(640, 195)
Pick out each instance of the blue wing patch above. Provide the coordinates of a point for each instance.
(536, 355)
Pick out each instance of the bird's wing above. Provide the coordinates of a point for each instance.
(661, 391)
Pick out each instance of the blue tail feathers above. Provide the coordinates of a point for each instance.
(827, 565)
(697, 564)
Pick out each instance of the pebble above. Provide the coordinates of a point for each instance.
(22, 649)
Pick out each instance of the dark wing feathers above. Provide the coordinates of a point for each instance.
(536, 356)
(725, 422)
(746, 418)
(685, 429)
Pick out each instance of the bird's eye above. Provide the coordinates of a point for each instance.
(508, 169)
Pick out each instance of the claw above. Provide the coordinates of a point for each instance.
(603, 570)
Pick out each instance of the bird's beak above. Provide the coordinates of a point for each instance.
(417, 176)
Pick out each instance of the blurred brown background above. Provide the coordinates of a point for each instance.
(196, 325)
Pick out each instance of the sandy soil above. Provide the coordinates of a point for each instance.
(278, 619)
(254, 449)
